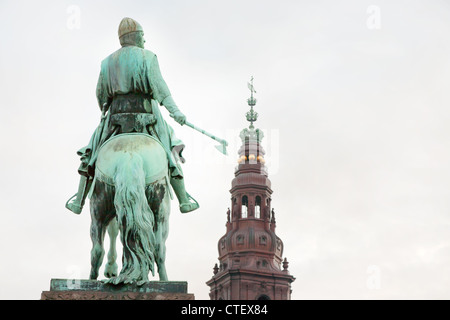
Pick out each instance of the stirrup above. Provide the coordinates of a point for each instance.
(189, 206)
(72, 206)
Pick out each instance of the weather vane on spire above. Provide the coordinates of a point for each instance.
(251, 101)
(252, 116)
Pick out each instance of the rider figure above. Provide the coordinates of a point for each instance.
(131, 88)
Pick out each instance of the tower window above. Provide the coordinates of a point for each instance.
(258, 207)
(244, 211)
(263, 240)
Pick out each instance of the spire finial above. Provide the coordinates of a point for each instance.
(251, 101)
(252, 116)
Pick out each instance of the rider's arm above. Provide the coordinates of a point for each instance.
(102, 90)
(162, 93)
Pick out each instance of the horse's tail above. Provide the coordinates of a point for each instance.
(135, 219)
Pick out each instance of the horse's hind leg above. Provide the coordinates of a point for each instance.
(111, 266)
(161, 257)
(160, 203)
(97, 251)
(101, 215)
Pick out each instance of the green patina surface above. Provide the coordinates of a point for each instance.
(129, 184)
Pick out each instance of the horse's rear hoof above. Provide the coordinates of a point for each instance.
(110, 275)
(141, 283)
(93, 276)
(110, 270)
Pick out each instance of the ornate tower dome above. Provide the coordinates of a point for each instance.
(251, 262)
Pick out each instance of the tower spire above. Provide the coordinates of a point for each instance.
(250, 133)
(252, 116)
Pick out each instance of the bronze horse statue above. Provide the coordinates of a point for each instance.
(130, 194)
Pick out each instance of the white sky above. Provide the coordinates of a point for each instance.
(354, 106)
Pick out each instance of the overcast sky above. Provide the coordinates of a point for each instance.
(353, 99)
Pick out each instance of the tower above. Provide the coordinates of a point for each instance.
(251, 266)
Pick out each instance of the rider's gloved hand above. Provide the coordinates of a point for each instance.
(179, 117)
(173, 109)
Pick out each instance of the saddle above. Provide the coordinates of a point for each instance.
(122, 147)
(133, 122)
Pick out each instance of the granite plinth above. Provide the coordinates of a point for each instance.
(74, 289)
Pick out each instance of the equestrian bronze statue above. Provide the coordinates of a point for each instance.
(131, 162)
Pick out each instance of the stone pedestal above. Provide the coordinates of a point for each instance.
(74, 289)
